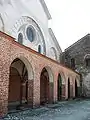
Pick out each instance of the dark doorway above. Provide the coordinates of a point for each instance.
(59, 88)
(76, 89)
(18, 84)
(68, 88)
(44, 87)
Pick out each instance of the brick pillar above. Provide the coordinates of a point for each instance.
(30, 92)
(51, 91)
(73, 88)
(66, 89)
(55, 88)
(71, 91)
(36, 89)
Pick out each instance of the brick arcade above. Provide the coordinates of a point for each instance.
(28, 78)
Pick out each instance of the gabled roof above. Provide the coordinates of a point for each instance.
(83, 38)
(45, 9)
(54, 38)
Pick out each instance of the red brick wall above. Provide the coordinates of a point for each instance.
(30, 92)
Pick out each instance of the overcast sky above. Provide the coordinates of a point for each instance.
(70, 20)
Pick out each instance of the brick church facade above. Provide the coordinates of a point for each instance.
(30, 71)
(77, 57)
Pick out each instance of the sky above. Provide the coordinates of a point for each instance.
(70, 20)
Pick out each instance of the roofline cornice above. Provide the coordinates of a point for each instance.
(76, 42)
(45, 9)
(54, 38)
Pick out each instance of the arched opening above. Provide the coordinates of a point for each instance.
(59, 88)
(53, 53)
(73, 63)
(87, 60)
(20, 38)
(46, 87)
(76, 89)
(18, 84)
(39, 49)
(68, 88)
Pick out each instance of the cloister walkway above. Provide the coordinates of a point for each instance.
(68, 110)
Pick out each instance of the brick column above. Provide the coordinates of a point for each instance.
(55, 88)
(30, 92)
(66, 89)
(36, 89)
(51, 92)
(71, 91)
(73, 88)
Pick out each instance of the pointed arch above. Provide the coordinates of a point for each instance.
(21, 76)
(46, 85)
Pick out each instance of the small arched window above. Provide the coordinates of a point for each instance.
(20, 38)
(87, 62)
(39, 49)
(72, 63)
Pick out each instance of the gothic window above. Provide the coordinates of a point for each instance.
(39, 48)
(88, 62)
(30, 34)
(72, 63)
(53, 53)
(20, 38)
